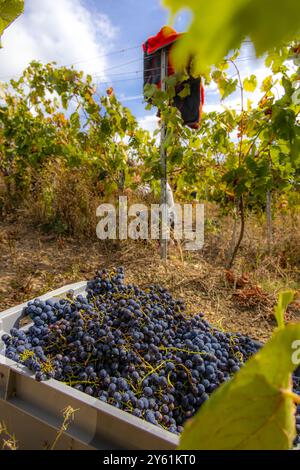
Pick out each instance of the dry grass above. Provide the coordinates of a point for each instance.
(68, 418)
(7, 440)
(62, 200)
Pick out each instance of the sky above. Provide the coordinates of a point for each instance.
(103, 38)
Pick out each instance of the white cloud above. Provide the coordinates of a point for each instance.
(149, 123)
(209, 108)
(105, 27)
(63, 31)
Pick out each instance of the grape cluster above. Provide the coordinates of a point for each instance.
(136, 349)
(296, 389)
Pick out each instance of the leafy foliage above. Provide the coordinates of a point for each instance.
(237, 157)
(9, 11)
(59, 140)
(55, 114)
(234, 153)
(220, 26)
(53, 117)
(250, 84)
(285, 298)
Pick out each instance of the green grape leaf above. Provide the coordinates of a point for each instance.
(276, 58)
(255, 409)
(219, 26)
(226, 86)
(9, 11)
(250, 84)
(284, 299)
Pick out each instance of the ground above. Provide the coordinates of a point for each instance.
(33, 262)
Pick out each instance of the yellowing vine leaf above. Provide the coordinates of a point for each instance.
(9, 11)
(219, 26)
(250, 84)
(284, 299)
(254, 410)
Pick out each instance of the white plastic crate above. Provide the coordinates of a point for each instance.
(33, 410)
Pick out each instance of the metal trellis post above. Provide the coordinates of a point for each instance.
(163, 162)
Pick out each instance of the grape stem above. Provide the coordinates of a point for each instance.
(293, 396)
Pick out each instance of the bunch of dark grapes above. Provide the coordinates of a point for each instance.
(134, 349)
